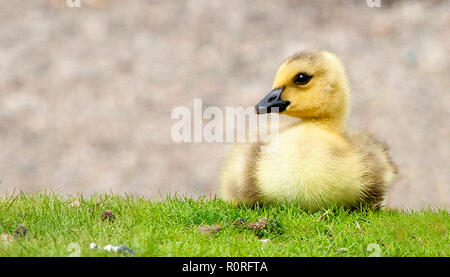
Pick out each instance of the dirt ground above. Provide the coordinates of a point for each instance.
(86, 94)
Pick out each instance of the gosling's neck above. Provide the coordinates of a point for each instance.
(335, 123)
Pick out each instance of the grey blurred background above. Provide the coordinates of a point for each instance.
(86, 93)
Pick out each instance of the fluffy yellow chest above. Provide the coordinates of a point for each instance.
(311, 166)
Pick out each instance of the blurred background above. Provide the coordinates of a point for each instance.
(86, 93)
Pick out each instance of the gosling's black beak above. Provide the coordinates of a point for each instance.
(272, 102)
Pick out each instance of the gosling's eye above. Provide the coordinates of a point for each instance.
(302, 79)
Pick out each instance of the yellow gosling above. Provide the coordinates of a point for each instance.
(316, 163)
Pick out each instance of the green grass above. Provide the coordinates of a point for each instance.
(170, 228)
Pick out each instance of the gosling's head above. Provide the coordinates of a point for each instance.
(310, 84)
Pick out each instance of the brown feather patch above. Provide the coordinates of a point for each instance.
(375, 186)
(242, 186)
(378, 163)
(310, 56)
(250, 192)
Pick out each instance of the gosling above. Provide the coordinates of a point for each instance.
(316, 162)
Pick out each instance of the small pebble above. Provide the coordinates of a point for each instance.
(239, 222)
(108, 215)
(21, 231)
(124, 249)
(75, 203)
(110, 247)
(6, 237)
(258, 225)
(209, 229)
(120, 249)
